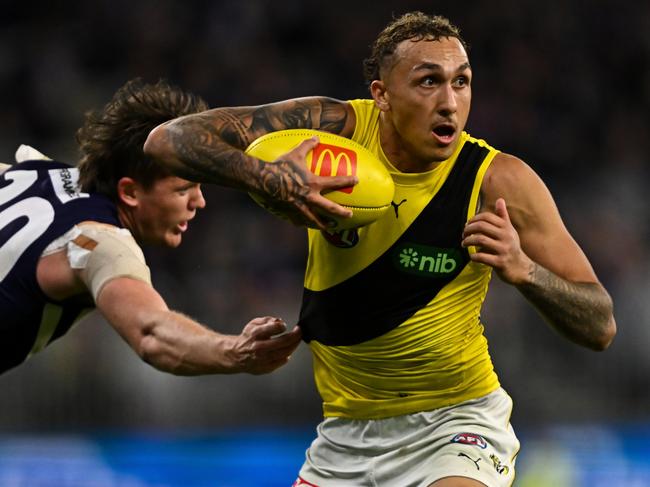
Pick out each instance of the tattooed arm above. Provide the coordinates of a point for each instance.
(521, 235)
(208, 147)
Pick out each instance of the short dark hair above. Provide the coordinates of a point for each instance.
(411, 25)
(111, 140)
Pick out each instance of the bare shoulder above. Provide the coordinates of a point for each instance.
(507, 175)
(534, 214)
(528, 199)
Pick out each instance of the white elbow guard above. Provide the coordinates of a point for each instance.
(104, 252)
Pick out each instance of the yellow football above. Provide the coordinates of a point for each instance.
(335, 156)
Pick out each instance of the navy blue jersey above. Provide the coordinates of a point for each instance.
(39, 202)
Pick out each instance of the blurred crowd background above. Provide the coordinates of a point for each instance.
(563, 85)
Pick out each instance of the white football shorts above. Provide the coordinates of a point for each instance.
(472, 439)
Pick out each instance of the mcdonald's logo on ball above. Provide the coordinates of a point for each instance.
(369, 199)
(334, 160)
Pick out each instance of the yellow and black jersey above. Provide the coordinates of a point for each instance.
(391, 311)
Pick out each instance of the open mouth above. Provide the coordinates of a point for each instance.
(444, 133)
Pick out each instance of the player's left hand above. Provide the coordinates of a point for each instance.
(497, 244)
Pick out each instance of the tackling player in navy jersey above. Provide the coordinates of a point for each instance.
(69, 241)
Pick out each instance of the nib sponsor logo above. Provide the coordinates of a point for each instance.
(425, 260)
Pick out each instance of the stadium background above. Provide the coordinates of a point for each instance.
(564, 85)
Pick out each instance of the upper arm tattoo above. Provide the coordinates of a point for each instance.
(309, 113)
(334, 116)
(209, 145)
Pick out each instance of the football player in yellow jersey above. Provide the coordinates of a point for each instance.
(391, 311)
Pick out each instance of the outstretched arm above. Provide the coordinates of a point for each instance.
(521, 235)
(173, 342)
(106, 264)
(208, 147)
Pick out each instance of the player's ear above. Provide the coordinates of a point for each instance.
(127, 191)
(380, 95)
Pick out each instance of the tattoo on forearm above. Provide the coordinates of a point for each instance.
(580, 311)
(206, 157)
(209, 145)
(229, 127)
(283, 183)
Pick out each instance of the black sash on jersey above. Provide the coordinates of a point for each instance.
(380, 297)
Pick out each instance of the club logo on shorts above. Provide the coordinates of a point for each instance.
(470, 439)
(498, 466)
